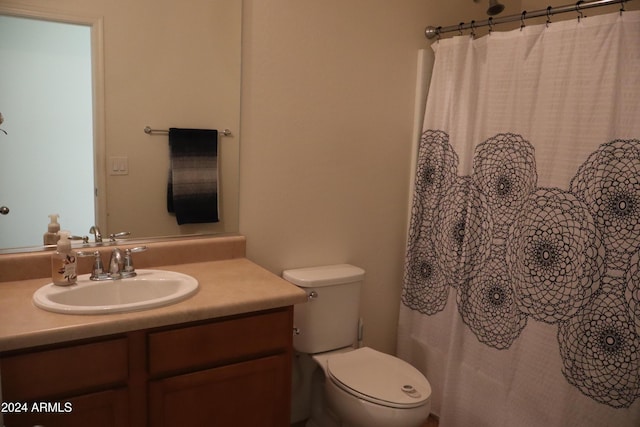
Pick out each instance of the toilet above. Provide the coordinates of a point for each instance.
(337, 384)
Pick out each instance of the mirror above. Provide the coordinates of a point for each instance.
(159, 65)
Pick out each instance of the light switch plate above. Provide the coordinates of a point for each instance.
(118, 165)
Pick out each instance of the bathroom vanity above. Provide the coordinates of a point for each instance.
(222, 357)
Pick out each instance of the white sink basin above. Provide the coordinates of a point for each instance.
(149, 289)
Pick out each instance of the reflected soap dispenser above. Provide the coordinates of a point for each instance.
(64, 262)
(51, 236)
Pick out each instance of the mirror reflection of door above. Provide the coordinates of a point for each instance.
(46, 157)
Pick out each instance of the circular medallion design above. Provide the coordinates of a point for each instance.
(600, 351)
(425, 287)
(436, 168)
(487, 305)
(554, 255)
(609, 183)
(462, 232)
(504, 170)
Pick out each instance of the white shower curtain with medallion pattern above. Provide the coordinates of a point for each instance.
(521, 298)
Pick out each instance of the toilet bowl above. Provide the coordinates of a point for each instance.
(365, 387)
(359, 387)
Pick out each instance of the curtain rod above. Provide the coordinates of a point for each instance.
(431, 32)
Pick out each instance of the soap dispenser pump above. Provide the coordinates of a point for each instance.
(64, 262)
(51, 237)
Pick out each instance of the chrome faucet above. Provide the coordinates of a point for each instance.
(96, 232)
(116, 263)
(120, 264)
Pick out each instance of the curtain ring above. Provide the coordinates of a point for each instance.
(438, 33)
(580, 14)
(473, 29)
(548, 16)
(490, 23)
(622, 9)
(460, 27)
(522, 18)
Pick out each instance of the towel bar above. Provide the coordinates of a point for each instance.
(149, 131)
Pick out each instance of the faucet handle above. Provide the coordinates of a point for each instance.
(128, 269)
(97, 271)
(85, 239)
(120, 235)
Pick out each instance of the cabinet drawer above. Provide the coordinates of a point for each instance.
(63, 371)
(218, 342)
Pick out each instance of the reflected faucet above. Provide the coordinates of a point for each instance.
(96, 232)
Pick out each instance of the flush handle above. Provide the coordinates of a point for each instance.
(411, 391)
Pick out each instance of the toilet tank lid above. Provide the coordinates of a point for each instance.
(326, 275)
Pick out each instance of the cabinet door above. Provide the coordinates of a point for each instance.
(104, 409)
(246, 394)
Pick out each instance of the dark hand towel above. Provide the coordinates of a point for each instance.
(192, 193)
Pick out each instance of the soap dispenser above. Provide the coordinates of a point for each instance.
(64, 262)
(51, 236)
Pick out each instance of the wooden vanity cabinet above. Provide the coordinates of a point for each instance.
(233, 371)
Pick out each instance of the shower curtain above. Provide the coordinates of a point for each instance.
(521, 296)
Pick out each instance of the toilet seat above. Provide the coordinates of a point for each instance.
(379, 378)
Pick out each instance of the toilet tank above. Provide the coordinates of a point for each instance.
(329, 320)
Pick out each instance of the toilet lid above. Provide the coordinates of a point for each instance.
(379, 378)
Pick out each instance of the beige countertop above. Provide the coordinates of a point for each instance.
(226, 287)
